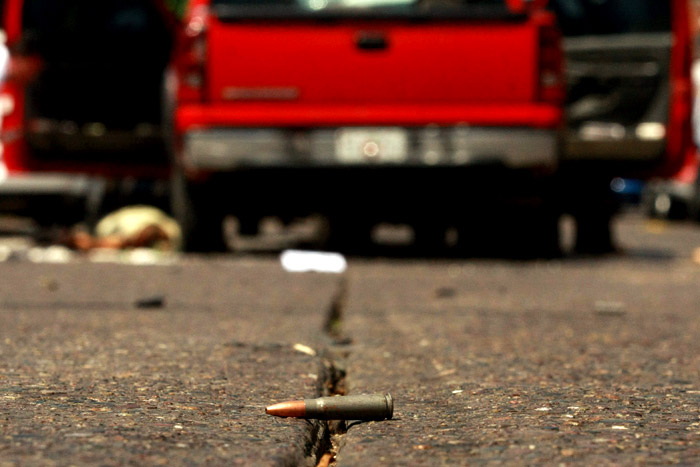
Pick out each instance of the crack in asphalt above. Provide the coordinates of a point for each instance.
(334, 372)
(334, 319)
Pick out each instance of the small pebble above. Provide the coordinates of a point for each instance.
(155, 301)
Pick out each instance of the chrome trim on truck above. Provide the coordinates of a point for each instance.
(228, 149)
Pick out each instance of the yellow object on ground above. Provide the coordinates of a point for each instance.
(130, 221)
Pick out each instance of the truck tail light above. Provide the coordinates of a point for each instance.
(21, 71)
(679, 145)
(192, 52)
(551, 61)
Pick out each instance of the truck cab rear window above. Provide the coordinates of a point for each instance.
(320, 9)
(321, 4)
(107, 28)
(601, 17)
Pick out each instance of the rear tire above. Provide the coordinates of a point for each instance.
(200, 221)
(594, 233)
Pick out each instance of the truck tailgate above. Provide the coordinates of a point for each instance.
(363, 62)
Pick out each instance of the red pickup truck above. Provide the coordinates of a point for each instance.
(81, 101)
(422, 112)
(628, 104)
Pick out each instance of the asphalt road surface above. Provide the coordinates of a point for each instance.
(579, 360)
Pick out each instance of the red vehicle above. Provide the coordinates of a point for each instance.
(629, 102)
(81, 100)
(424, 112)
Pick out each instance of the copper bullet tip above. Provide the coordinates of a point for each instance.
(287, 409)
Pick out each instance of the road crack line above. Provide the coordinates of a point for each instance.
(334, 381)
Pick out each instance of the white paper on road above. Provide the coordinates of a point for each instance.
(313, 261)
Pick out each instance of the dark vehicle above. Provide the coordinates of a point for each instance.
(406, 111)
(82, 96)
(628, 106)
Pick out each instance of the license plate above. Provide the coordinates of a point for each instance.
(368, 145)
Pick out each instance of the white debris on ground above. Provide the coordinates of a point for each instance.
(12, 248)
(53, 254)
(313, 261)
(56, 254)
(137, 256)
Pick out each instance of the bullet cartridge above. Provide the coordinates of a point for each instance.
(359, 407)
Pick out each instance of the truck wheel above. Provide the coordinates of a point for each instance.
(201, 223)
(694, 204)
(594, 233)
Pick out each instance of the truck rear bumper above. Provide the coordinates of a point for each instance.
(45, 184)
(39, 193)
(228, 149)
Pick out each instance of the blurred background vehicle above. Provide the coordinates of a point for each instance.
(364, 111)
(678, 197)
(81, 103)
(628, 105)
(432, 113)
